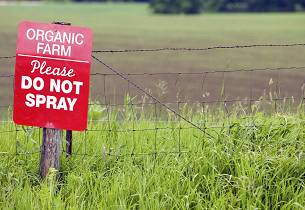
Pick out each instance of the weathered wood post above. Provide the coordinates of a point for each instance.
(50, 148)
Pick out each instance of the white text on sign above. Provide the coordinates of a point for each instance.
(52, 38)
(55, 86)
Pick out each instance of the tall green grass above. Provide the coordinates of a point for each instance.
(243, 161)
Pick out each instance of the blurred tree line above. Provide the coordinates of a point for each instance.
(198, 6)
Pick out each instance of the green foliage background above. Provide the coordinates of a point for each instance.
(197, 6)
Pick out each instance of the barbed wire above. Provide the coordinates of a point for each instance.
(139, 120)
(198, 49)
(201, 102)
(190, 73)
(194, 102)
(6, 75)
(205, 72)
(7, 57)
(187, 48)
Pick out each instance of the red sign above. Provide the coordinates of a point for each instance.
(52, 76)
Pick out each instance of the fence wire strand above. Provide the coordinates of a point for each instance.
(199, 49)
(187, 48)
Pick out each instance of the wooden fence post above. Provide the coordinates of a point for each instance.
(68, 143)
(50, 148)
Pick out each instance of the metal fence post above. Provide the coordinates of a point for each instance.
(68, 143)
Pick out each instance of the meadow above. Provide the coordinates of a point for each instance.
(123, 161)
(140, 156)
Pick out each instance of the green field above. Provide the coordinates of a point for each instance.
(241, 162)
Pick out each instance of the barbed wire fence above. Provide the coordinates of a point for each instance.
(117, 123)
